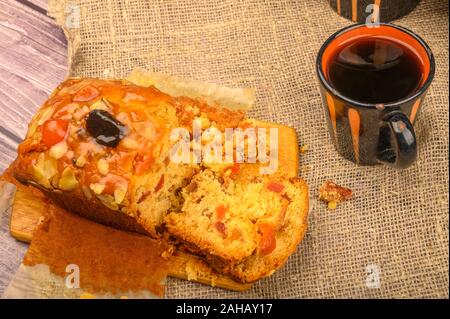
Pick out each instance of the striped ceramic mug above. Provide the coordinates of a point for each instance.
(365, 133)
(364, 10)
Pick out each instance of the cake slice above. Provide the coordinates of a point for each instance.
(244, 227)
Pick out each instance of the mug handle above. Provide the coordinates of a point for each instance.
(397, 145)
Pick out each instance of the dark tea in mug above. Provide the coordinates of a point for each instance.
(375, 70)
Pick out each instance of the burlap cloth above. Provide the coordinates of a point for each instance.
(397, 223)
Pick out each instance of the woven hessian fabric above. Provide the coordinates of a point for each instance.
(397, 222)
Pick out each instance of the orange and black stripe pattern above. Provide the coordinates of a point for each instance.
(355, 10)
(355, 131)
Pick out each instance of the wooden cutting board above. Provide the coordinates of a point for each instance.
(30, 206)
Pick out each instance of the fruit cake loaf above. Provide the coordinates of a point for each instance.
(246, 227)
(101, 148)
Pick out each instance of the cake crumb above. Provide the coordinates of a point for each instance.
(333, 194)
(332, 205)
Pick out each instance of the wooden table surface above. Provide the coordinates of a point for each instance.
(33, 61)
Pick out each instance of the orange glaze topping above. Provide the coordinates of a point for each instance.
(65, 124)
(60, 138)
(86, 94)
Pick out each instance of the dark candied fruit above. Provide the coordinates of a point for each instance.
(105, 128)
